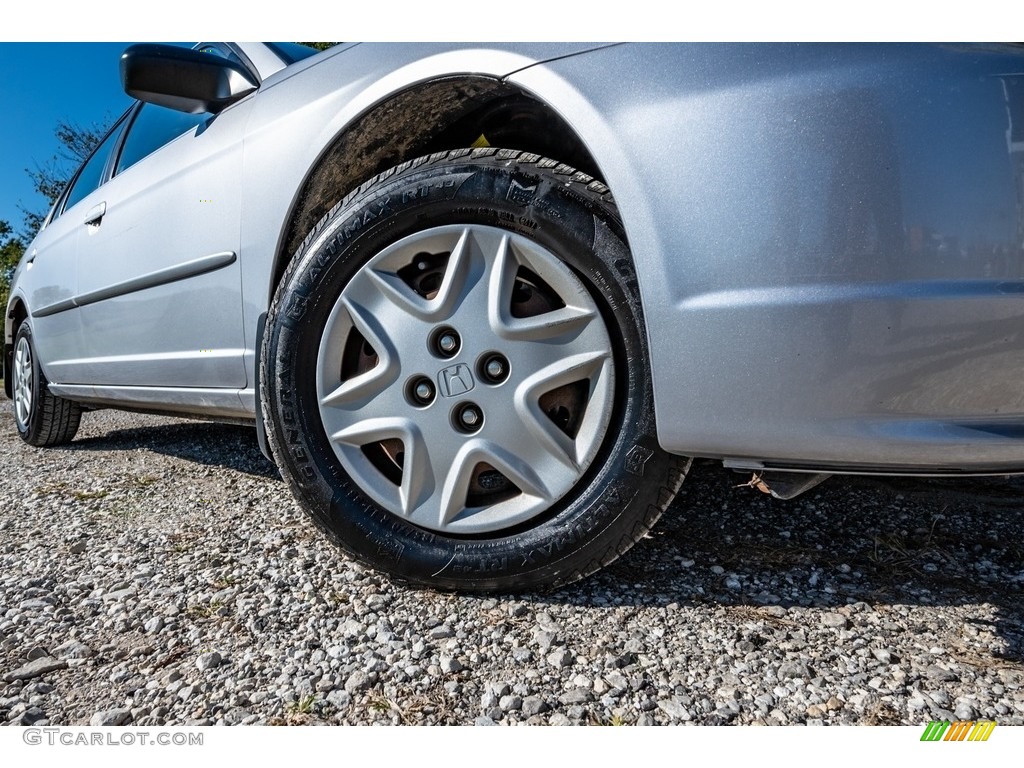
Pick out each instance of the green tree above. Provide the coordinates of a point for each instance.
(319, 46)
(11, 248)
(74, 145)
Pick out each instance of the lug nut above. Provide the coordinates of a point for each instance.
(420, 391)
(444, 342)
(448, 342)
(468, 418)
(494, 368)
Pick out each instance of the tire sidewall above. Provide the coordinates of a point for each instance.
(600, 514)
(25, 331)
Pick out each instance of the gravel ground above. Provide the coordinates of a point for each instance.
(157, 572)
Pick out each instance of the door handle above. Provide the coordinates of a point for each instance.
(95, 215)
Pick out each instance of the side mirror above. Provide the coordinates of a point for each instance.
(185, 80)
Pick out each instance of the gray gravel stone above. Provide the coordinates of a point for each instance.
(35, 668)
(965, 711)
(208, 661)
(543, 639)
(882, 654)
(31, 716)
(510, 703)
(791, 669)
(111, 717)
(35, 605)
(534, 705)
(73, 649)
(560, 658)
(340, 700)
(941, 675)
(359, 681)
(616, 680)
(674, 708)
(576, 696)
(450, 664)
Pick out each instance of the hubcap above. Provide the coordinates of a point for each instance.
(22, 383)
(465, 379)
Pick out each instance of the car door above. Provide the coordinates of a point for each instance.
(51, 268)
(159, 277)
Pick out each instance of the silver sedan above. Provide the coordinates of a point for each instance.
(482, 302)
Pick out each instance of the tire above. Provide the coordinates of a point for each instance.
(467, 329)
(42, 418)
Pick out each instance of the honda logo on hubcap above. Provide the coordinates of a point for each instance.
(455, 380)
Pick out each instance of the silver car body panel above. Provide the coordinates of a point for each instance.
(165, 216)
(224, 403)
(47, 276)
(829, 244)
(829, 240)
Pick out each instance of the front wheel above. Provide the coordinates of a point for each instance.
(456, 375)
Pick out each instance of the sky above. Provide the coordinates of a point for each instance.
(41, 84)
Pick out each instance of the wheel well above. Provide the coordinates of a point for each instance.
(15, 317)
(436, 116)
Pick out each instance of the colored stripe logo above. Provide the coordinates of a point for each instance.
(958, 730)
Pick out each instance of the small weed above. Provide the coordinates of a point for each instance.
(379, 704)
(882, 713)
(88, 495)
(614, 720)
(303, 706)
(51, 489)
(205, 610)
(296, 713)
(901, 553)
(384, 705)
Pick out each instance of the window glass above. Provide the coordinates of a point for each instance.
(292, 52)
(153, 127)
(92, 172)
(219, 49)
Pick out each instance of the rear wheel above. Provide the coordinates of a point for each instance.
(43, 419)
(456, 375)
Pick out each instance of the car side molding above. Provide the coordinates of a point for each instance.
(173, 274)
